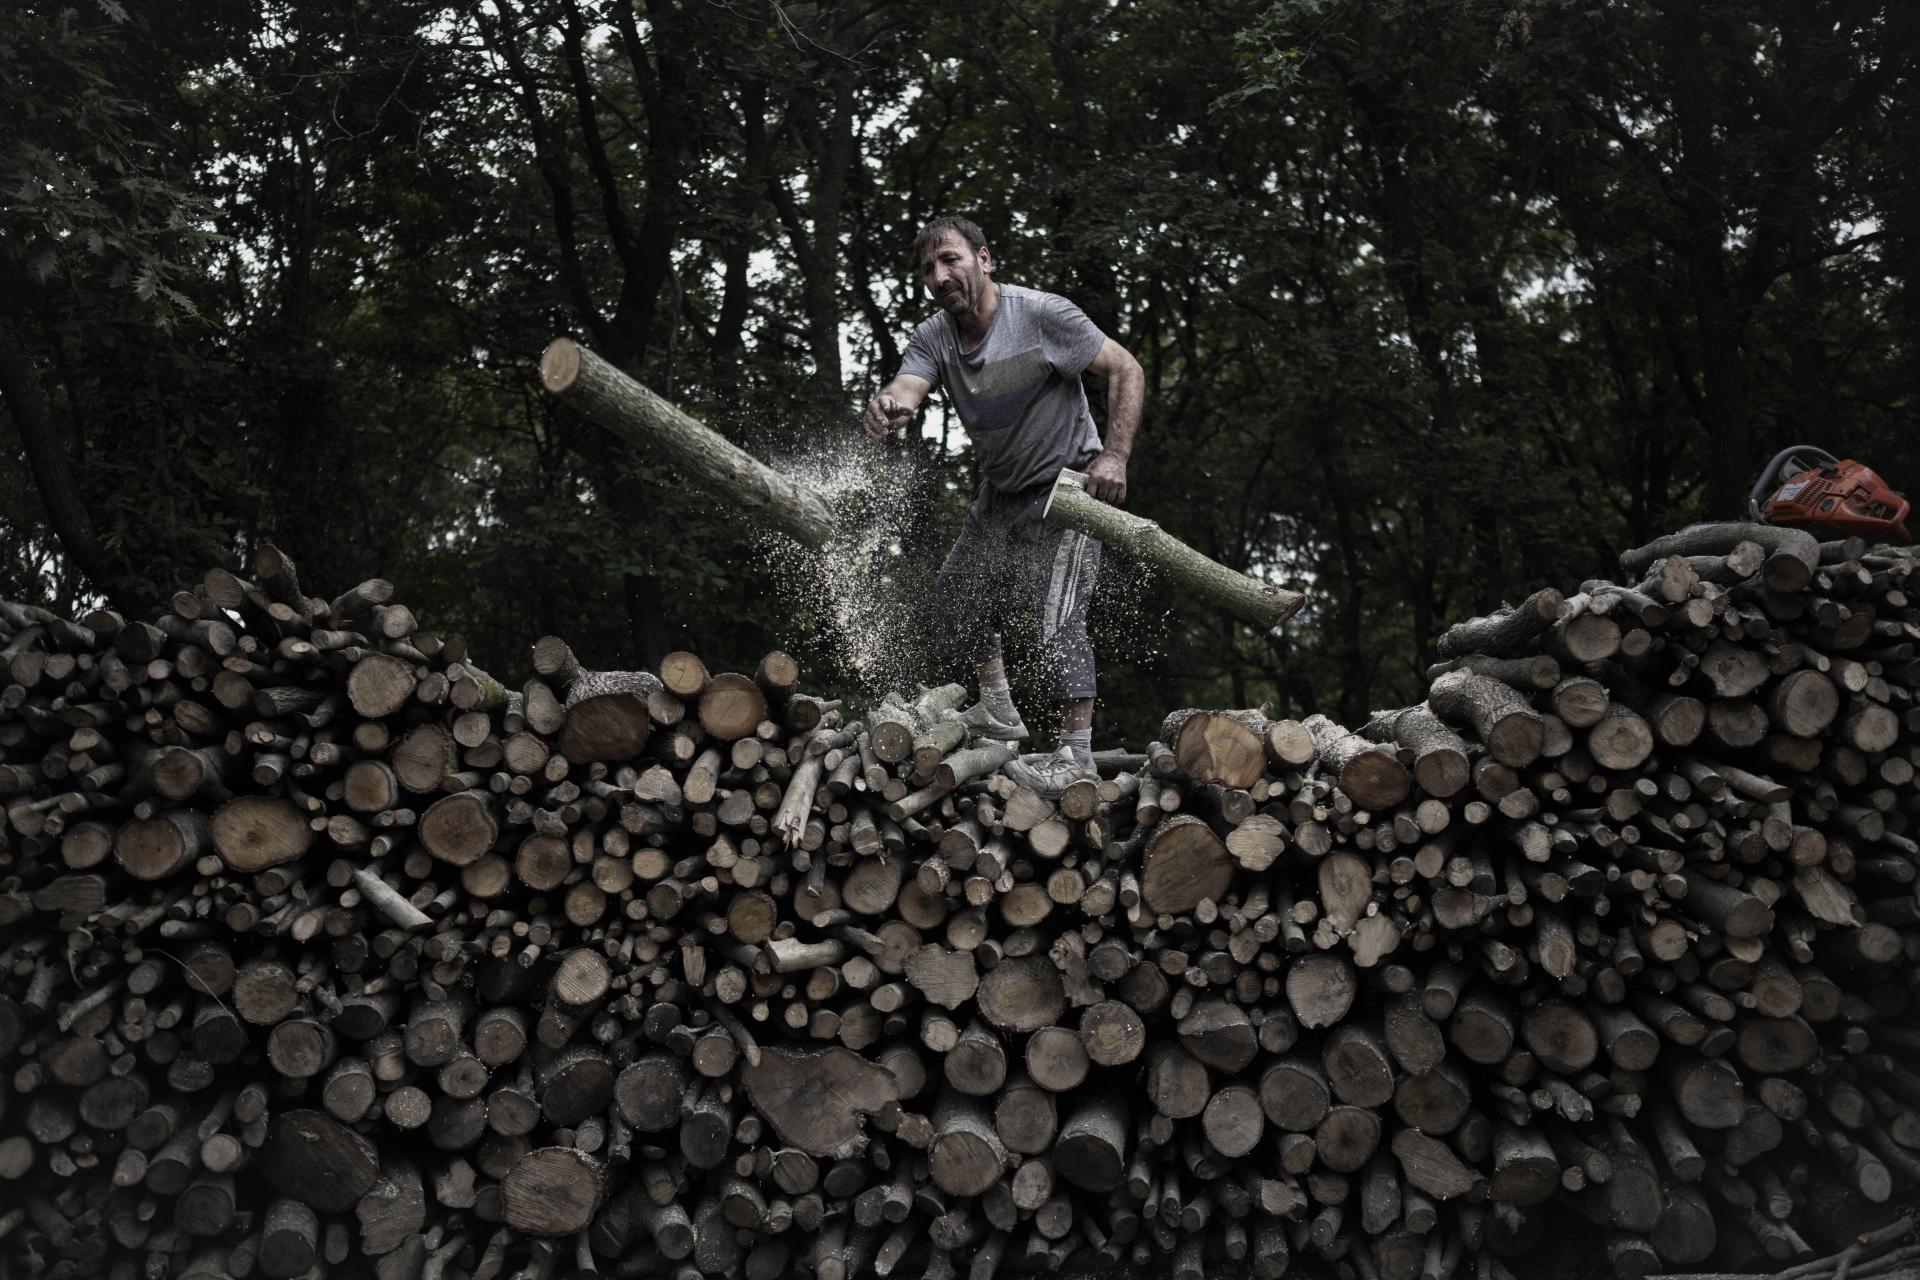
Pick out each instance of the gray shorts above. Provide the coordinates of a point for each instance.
(1006, 559)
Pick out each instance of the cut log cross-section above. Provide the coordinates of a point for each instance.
(607, 715)
(1500, 717)
(158, 847)
(459, 828)
(1226, 747)
(315, 1159)
(1091, 1149)
(1440, 764)
(1185, 864)
(1321, 989)
(1371, 775)
(732, 706)
(379, 685)
(967, 1155)
(1022, 994)
(553, 1191)
(253, 833)
(818, 1101)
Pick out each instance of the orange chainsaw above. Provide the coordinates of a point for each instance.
(1805, 487)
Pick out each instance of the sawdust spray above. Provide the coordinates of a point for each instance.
(867, 599)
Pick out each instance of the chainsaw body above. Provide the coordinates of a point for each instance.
(1808, 488)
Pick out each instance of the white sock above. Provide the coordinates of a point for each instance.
(1081, 741)
(998, 695)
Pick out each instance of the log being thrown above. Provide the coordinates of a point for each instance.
(704, 456)
(1261, 603)
(770, 497)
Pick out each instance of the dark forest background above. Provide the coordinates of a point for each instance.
(1437, 299)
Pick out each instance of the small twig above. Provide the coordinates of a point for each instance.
(494, 1259)
(389, 901)
(88, 1003)
(1898, 1260)
(1866, 1247)
(438, 1261)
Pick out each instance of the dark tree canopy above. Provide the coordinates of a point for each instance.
(1437, 301)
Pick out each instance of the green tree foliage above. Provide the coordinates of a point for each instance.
(1437, 300)
(103, 246)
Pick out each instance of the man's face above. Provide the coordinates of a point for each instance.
(956, 274)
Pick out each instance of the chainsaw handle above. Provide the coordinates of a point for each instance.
(1770, 474)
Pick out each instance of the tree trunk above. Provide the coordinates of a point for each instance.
(53, 477)
(1716, 324)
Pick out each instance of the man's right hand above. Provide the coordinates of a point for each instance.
(884, 413)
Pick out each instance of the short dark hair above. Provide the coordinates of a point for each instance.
(931, 234)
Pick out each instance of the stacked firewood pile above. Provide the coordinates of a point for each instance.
(323, 952)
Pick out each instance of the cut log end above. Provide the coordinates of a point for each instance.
(559, 365)
(553, 1191)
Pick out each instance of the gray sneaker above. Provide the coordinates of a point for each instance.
(982, 723)
(1050, 773)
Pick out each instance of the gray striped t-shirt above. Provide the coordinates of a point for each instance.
(1018, 393)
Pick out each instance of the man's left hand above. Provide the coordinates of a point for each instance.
(1107, 478)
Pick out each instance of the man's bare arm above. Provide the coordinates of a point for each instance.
(895, 405)
(1126, 391)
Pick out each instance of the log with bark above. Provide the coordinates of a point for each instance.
(1264, 604)
(700, 454)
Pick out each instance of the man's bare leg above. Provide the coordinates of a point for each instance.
(995, 716)
(1050, 773)
(1076, 728)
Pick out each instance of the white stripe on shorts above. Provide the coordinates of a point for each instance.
(1069, 580)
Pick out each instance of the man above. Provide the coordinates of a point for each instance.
(1011, 359)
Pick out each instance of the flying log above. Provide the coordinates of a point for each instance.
(702, 455)
(1263, 604)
